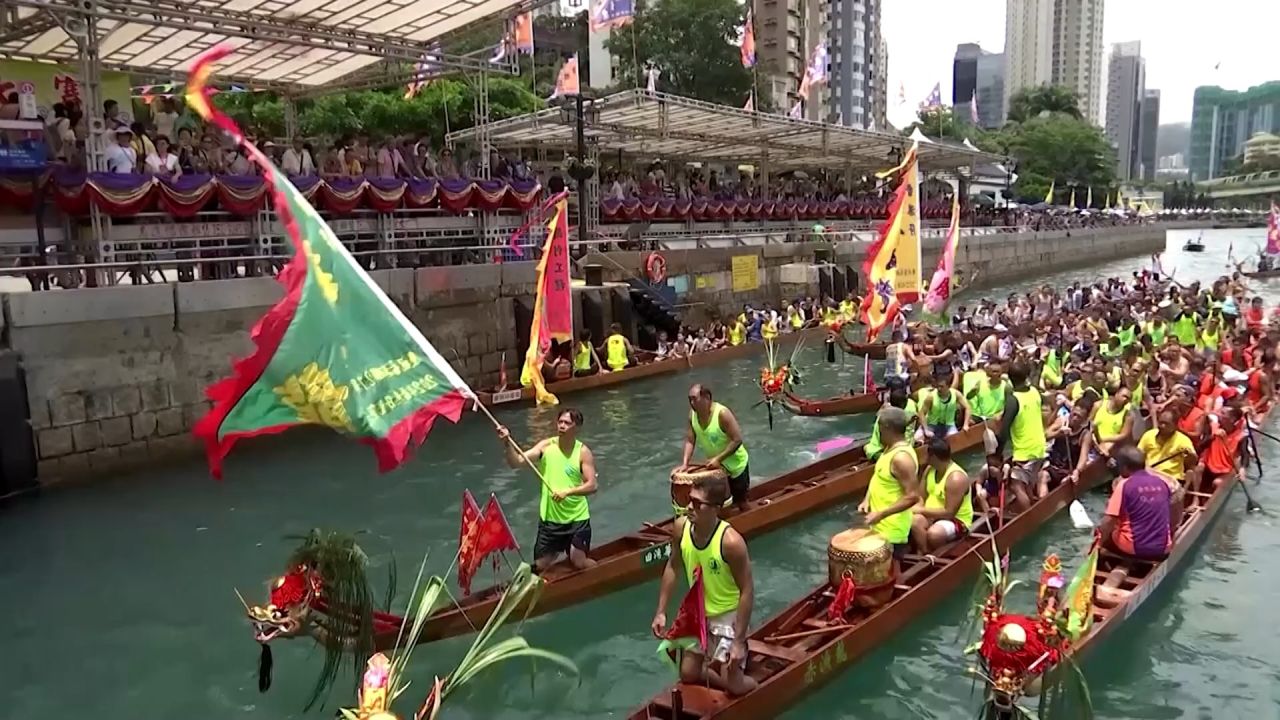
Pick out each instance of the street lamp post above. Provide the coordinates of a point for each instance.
(581, 168)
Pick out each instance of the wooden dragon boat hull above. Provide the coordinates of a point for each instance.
(518, 395)
(798, 650)
(1263, 274)
(842, 405)
(643, 554)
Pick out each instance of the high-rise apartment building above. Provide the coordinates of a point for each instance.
(1223, 120)
(978, 72)
(1149, 130)
(1126, 84)
(859, 64)
(786, 33)
(1055, 42)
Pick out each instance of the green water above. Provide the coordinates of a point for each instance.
(119, 605)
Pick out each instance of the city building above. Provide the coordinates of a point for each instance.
(859, 96)
(1148, 130)
(1261, 146)
(786, 33)
(977, 71)
(1223, 120)
(1126, 85)
(1055, 42)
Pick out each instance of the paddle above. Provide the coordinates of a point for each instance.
(836, 443)
(1079, 516)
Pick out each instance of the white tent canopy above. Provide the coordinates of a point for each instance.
(656, 124)
(285, 44)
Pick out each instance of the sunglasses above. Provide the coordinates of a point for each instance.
(698, 504)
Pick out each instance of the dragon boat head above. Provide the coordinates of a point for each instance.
(288, 609)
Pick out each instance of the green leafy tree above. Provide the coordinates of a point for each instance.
(1029, 103)
(1061, 150)
(692, 43)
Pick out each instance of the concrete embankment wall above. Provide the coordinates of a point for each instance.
(114, 377)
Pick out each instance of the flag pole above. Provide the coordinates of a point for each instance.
(497, 425)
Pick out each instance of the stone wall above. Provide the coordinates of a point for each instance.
(115, 376)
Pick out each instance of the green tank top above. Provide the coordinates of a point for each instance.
(885, 491)
(1109, 423)
(1157, 333)
(985, 401)
(1027, 431)
(935, 498)
(562, 473)
(943, 412)
(582, 360)
(1126, 336)
(797, 321)
(719, 589)
(1209, 340)
(712, 440)
(874, 446)
(737, 334)
(1184, 328)
(616, 347)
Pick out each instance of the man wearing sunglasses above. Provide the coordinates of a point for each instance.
(705, 547)
(715, 431)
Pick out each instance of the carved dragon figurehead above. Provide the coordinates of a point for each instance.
(288, 609)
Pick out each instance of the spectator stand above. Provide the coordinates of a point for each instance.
(296, 48)
(643, 125)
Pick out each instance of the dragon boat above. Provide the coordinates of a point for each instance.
(803, 647)
(838, 405)
(1263, 274)
(306, 610)
(1034, 657)
(510, 395)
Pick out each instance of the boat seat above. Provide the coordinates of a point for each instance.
(698, 700)
(1119, 557)
(776, 651)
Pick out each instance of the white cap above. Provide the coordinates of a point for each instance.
(1001, 328)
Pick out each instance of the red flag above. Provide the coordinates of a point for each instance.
(495, 531)
(690, 626)
(868, 382)
(469, 554)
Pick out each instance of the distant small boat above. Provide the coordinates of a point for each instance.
(1193, 246)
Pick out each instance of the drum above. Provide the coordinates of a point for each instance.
(867, 559)
(682, 484)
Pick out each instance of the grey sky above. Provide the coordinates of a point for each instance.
(1181, 41)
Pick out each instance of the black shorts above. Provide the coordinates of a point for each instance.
(900, 550)
(556, 538)
(740, 486)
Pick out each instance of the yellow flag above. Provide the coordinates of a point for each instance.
(1048, 197)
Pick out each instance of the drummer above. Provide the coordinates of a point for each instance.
(894, 487)
(947, 510)
(715, 431)
(568, 470)
(704, 542)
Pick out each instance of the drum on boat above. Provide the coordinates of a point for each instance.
(867, 559)
(682, 484)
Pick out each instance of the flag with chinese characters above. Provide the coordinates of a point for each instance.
(552, 303)
(608, 14)
(567, 80)
(1080, 594)
(749, 42)
(482, 534)
(335, 351)
(940, 285)
(690, 627)
(905, 217)
(881, 303)
(1273, 231)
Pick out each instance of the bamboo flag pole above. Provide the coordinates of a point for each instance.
(497, 425)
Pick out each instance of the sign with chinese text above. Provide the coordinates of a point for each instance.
(746, 272)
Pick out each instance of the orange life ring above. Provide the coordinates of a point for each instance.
(655, 266)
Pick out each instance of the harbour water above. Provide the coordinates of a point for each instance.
(119, 601)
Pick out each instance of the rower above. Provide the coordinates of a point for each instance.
(1167, 446)
(1112, 420)
(947, 511)
(894, 487)
(769, 329)
(1023, 428)
(703, 542)
(715, 431)
(737, 331)
(1141, 513)
(585, 359)
(618, 348)
(899, 357)
(795, 318)
(939, 407)
(569, 472)
(984, 390)
(898, 398)
(1222, 457)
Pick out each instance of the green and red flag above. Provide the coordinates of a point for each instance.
(335, 351)
(689, 630)
(1080, 593)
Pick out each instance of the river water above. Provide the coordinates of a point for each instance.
(120, 605)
